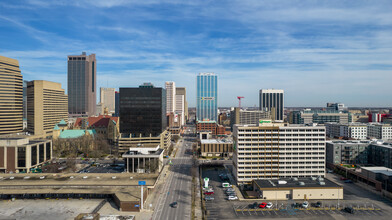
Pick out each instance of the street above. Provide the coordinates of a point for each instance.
(177, 187)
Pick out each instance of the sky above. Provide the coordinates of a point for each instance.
(317, 51)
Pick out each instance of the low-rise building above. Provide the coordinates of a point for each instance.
(245, 117)
(347, 152)
(210, 126)
(307, 116)
(20, 154)
(380, 154)
(351, 130)
(125, 141)
(297, 189)
(380, 131)
(216, 148)
(144, 158)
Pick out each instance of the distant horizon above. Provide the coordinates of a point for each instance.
(337, 50)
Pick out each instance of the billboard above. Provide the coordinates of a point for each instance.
(207, 98)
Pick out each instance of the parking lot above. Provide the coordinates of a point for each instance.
(104, 168)
(366, 205)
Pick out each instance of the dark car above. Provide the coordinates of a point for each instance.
(174, 204)
(317, 204)
(296, 205)
(349, 210)
(348, 181)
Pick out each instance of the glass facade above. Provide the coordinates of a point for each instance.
(207, 97)
(143, 111)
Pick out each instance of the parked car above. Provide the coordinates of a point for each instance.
(349, 210)
(174, 204)
(230, 190)
(296, 205)
(254, 205)
(263, 205)
(317, 204)
(208, 193)
(231, 194)
(305, 204)
(232, 198)
(348, 181)
(343, 178)
(269, 205)
(208, 198)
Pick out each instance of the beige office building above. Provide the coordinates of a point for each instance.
(11, 96)
(278, 150)
(47, 105)
(107, 99)
(170, 96)
(182, 91)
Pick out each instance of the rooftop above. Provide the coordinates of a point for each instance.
(216, 141)
(75, 133)
(382, 170)
(295, 183)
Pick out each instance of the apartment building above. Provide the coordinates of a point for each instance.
(347, 152)
(380, 131)
(352, 130)
(277, 150)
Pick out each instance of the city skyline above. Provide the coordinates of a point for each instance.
(337, 50)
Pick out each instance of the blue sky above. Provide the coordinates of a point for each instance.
(317, 51)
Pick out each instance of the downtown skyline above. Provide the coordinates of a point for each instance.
(318, 53)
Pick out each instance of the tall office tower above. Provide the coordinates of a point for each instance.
(207, 97)
(143, 110)
(182, 91)
(82, 83)
(170, 97)
(277, 150)
(180, 107)
(11, 96)
(117, 104)
(108, 99)
(47, 105)
(273, 100)
(25, 99)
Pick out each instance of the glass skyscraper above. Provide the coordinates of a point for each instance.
(207, 97)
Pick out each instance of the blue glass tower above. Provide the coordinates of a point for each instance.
(207, 97)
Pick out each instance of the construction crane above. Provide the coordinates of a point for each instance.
(239, 100)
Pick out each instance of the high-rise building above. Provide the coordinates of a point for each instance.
(277, 150)
(207, 97)
(143, 110)
(182, 91)
(273, 100)
(170, 97)
(108, 99)
(47, 105)
(82, 84)
(117, 104)
(25, 99)
(180, 109)
(11, 96)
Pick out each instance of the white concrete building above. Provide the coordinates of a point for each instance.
(180, 108)
(170, 97)
(278, 150)
(144, 158)
(352, 130)
(380, 131)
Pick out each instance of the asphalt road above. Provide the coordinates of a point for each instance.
(177, 187)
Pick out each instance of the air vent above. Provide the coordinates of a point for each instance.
(301, 183)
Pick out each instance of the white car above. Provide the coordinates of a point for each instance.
(305, 204)
(269, 205)
(232, 198)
